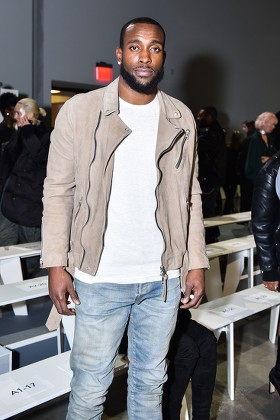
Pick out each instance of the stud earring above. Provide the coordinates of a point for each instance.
(119, 62)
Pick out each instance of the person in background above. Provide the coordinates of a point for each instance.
(192, 356)
(122, 215)
(22, 176)
(232, 177)
(7, 126)
(211, 149)
(246, 184)
(276, 131)
(248, 128)
(266, 231)
(262, 144)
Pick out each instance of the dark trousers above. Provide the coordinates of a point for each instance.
(192, 355)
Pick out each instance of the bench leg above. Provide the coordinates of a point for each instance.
(235, 266)
(230, 359)
(213, 281)
(58, 338)
(250, 267)
(184, 415)
(229, 330)
(273, 326)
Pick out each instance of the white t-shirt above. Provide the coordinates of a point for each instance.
(133, 242)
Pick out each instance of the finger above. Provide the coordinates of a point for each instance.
(62, 308)
(191, 303)
(74, 297)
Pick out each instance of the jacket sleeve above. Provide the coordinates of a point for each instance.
(265, 209)
(196, 231)
(59, 190)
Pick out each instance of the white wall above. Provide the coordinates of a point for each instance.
(219, 52)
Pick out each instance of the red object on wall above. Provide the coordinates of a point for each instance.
(104, 72)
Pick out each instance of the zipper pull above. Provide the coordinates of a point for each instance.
(163, 273)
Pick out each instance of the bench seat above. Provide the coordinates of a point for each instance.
(35, 384)
(220, 315)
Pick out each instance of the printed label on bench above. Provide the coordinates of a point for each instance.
(263, 297)
(36, 285)
(227, 310)
(13, 391)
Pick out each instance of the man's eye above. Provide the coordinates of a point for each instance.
(156, 49)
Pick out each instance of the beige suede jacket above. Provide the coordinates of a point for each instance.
(87, 132)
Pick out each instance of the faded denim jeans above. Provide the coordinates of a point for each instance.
(100, 323)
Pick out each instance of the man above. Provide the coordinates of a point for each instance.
(212, 163)
(265, 226)
(122, 211)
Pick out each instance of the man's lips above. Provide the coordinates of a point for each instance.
(143, 71)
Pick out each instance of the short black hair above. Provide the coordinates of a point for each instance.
(7, 100)
(139, 20)
(210, 110)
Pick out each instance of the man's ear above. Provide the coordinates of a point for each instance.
(119, 55)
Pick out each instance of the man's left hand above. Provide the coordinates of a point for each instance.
(194, 289)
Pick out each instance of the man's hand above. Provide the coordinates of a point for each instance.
(271, 285)
(194, 286)
(60, 288)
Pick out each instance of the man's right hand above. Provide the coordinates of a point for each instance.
(60, 288)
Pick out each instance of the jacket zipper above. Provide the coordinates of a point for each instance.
(163, 272)
(92, 160)
(186, 137)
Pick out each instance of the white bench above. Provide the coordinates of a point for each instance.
(227, 219)
(10, 266)
(14, 293)
(237, 250)
(35, 384)
(39, 382)
(221, 314)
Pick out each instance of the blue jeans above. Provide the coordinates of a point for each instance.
(100, 322)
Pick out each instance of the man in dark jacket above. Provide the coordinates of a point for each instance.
(266, 228)
(212, 163)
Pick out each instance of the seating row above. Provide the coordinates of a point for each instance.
(226, 219)
(41, 387)
(35, 384)
(15, 293)
(10, 267)
(220, 315)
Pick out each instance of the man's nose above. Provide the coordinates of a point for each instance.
(145, 57)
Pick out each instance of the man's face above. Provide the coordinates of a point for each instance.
(142, 57)
(202, 119)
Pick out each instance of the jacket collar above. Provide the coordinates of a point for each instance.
(111, 102)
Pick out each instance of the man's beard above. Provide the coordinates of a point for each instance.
(138, 87)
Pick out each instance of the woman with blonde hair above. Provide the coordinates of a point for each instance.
(22, 176)
(28, 111)
(263, 144)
